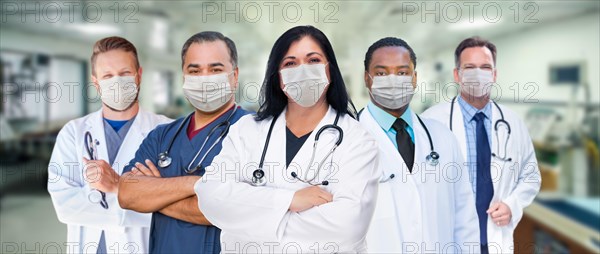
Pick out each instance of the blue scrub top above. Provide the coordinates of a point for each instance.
(170, 235)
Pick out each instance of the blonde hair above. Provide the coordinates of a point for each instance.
(113, 43)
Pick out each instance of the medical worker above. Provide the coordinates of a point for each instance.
(424, 203)
(89, 153)
(160, 178)
(495, 144)
(274, 188)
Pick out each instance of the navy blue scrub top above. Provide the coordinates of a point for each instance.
(293, 145)
(167, 234)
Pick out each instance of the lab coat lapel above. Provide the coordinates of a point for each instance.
(95, 125)
(498, 173)
(274, 162)
(422, 147)
(458, 128)
(132, 140)
(300, 162)
(392, 162)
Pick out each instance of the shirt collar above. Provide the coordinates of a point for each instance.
(385, 119)
(469, 111)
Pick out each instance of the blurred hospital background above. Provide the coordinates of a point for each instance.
(548, 72)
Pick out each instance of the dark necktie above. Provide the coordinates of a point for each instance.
(405, 145)
(485, 188)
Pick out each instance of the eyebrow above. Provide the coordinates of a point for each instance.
(309, 54)
(313, 53)
(288, 57)
(192, 65)
(384, 67)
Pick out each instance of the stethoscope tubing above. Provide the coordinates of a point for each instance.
(90, 147)
(164, 156)
(432, 158)
(496, 124)
(258, 174)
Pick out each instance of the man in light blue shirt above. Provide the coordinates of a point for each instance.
(503, 170)
(386, 120)
(423, 205)
(469, 112)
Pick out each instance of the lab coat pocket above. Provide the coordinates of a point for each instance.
(384, 208)
(504, 175)
(384, 225)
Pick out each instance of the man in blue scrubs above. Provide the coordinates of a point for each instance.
(209, 62)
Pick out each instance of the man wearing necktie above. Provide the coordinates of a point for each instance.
(499, 152)
(422, 205)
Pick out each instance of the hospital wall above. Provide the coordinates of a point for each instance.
(523, 61)
(56, 45)
(524, 57)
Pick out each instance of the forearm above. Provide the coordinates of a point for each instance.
(186, 210)
(149, 194)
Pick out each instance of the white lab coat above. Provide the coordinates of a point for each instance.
(516, 183)
(428, 210)
(257, 219)
(125, 231)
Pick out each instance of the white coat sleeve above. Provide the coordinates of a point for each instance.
(68, 190)
(236, 206)
(346, 219)
(528, 178)
(466, 225)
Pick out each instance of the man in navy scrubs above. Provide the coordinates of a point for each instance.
(209, 62)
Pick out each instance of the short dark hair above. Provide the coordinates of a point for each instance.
(389, 42)
(210, 36)
(112, 43)
(273, 99)
(471, 42)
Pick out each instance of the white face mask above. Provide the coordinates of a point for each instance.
(207, 93)
(476, 82)
(305, 84)
(118, 92)
(392, 91)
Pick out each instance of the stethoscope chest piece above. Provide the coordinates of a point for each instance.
(164, 160)
(433, 158)
(258, 178)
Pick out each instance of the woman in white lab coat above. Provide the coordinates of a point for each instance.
(516, 182)
(125, 230)
(294, 208)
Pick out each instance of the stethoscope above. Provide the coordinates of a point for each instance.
(433, 158)
(258, 176)
(164, 159)
(498, 122)
(95, 196)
